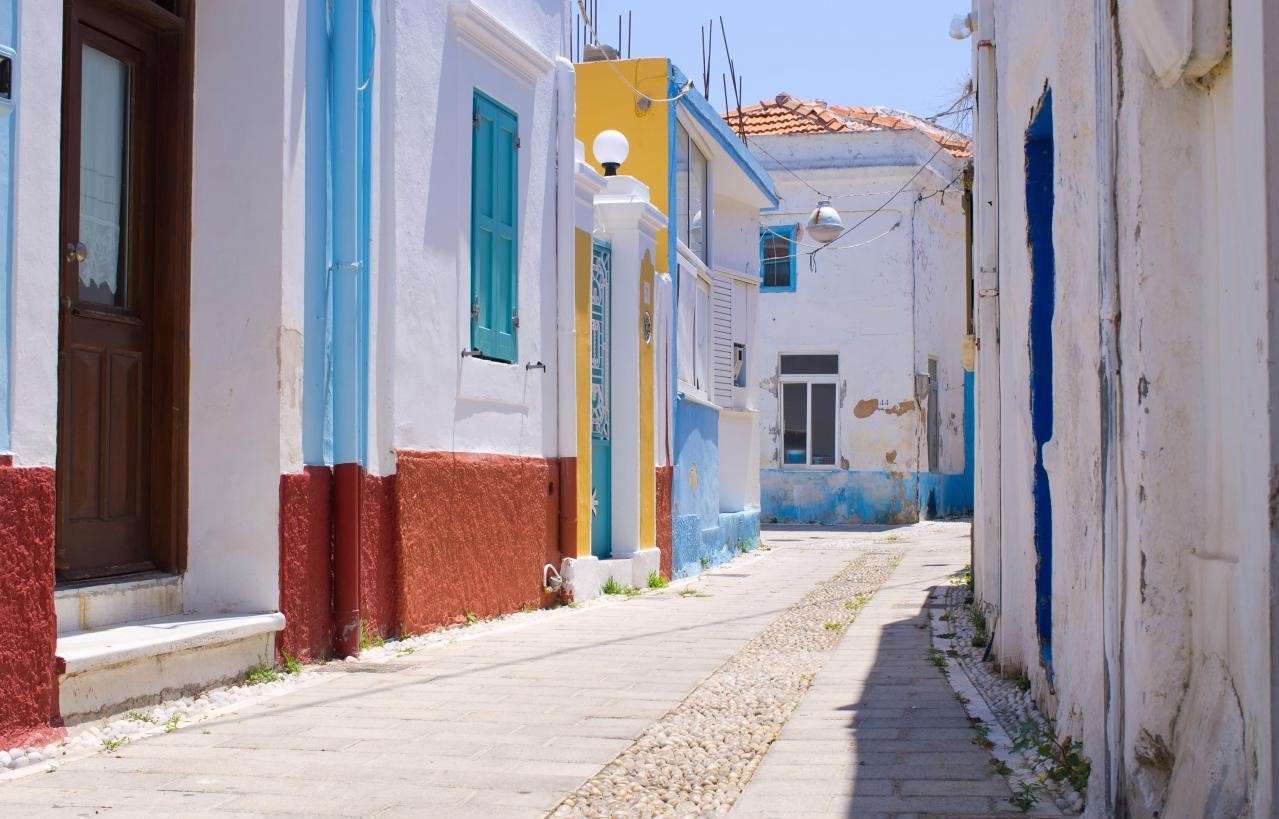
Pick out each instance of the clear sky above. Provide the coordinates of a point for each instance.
(896, 53)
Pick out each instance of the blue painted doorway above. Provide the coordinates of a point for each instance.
(601, 406)
(1043, 298)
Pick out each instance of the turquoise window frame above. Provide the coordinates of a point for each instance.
(494, 331)
(786, 232)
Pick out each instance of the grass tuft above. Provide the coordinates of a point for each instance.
(171, 724)
(834, 626)
(114, 743)
(292, 665)
(656, 581)
(261, 674)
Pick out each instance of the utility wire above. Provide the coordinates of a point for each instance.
(595, 41)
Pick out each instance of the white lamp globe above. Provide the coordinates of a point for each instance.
(824, 225)
(611, 149)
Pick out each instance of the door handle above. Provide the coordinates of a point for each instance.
(77, 252)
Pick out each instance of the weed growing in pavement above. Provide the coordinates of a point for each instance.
(406, 651)
(857, 601)
(689, 591)
(471, 619)
(138, 716)
(1023, 682)
(706, 563)
(292, 665)
(369, 637)
(963, 577)
(171, 724)
(1000, 767)
(1066, 759)
(261, 674)
(114, 743)
(611, 586)
(1023, 797)
(982, 740)
(576, 604)
(743, 546)
(656, 581)
(947, 616)
(936, 658)
(834, 626)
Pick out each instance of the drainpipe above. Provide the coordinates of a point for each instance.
(1109, 376)
(344, 83)
(565, 254)
(987, 480)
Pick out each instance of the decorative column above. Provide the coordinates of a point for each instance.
(626, 216)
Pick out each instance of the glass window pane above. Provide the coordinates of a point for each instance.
(777, 252)
(794, 423)
(104, 102)
(703, 320)
(687, 341)
(698, 205)
(810, 364)
(823, 431)
(681, 181)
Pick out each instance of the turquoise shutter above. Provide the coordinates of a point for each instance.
(494, 183)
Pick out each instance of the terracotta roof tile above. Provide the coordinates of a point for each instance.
(787, 115)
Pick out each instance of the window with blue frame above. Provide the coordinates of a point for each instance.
(494, 234)
(777, 259)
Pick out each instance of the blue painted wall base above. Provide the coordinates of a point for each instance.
(695, 548)
(847, 497)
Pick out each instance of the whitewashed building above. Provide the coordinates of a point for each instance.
(1127, 255)
(865, 391)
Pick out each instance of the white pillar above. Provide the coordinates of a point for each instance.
(628, 220)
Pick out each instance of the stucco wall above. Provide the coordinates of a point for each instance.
(885, 298)
(1182, 726)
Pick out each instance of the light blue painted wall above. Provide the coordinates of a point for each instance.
(8, 29)
(315, 323)
(841, 496)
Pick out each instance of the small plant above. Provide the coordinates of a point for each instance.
(471, 619)
(1000, 767)
(963, 577)
(936, 658)
(978, 640)
(856, 602)
(743, 546)
(834, 626)
(171, 724)
(405, 651)
(1066, 757)
(706, 563)
(292, 665)
(114, 743)
(982, 740)
(689, 591)
(261, 674)
(138, 716)
(656, 581)
(891, 539)
(979, 618)
(369, 637)
(1023, 682)
(611, 586)
(1023, 797)
(947, 616)
(576, 604)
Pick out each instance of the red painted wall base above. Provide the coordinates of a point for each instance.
(306, 563)
(28, 624)
(665, 474)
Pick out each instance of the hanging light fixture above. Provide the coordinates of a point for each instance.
(611, 149)
(824, 225)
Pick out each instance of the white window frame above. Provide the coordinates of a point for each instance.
(808, 381)
(695, 137)
(700, 274)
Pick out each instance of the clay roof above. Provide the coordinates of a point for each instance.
(785, 115)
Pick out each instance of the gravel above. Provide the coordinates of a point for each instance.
(697, 759)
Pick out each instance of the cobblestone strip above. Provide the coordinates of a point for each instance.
(1004, 707)
(697, 759)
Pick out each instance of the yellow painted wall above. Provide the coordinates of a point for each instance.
(648, 474)
(604, 101)
(582, 321)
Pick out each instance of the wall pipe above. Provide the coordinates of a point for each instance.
(347, 269)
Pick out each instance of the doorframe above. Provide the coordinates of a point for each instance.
(171, 243)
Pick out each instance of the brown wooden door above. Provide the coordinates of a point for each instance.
(108, 284)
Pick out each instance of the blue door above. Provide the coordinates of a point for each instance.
(601, 414)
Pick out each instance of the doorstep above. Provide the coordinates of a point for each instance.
(137, 663)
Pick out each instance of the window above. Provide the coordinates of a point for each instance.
(809, 408)
(691, 174)
(494, 232)
(777, 259)
(694, 331)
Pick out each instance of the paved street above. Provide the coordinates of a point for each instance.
(509, 723)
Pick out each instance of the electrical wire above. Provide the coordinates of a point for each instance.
(595, 41)
(782, 165)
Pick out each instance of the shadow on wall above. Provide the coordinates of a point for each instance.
(835, 497)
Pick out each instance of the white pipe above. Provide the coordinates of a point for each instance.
(565, 203)
(987, 479)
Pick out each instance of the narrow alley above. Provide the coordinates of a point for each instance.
(522, 719)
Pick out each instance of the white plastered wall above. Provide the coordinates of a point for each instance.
(246, 254)
(881, 297)
(429, 396)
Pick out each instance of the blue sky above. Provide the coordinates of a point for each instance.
(896, 53)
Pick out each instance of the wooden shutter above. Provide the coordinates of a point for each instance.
(494, 238)
(722, 339)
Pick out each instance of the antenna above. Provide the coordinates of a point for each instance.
(628, 34)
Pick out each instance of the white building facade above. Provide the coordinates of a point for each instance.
(1127, 253)
(864, 392)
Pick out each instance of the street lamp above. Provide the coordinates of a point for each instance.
(824, 224)
(611, 149)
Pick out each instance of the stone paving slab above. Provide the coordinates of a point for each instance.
(880, 732)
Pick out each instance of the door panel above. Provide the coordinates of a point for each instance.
(107, 279)
(601, 402)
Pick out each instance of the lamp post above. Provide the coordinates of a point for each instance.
(611, 149)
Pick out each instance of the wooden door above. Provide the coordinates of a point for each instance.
(108, 283)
